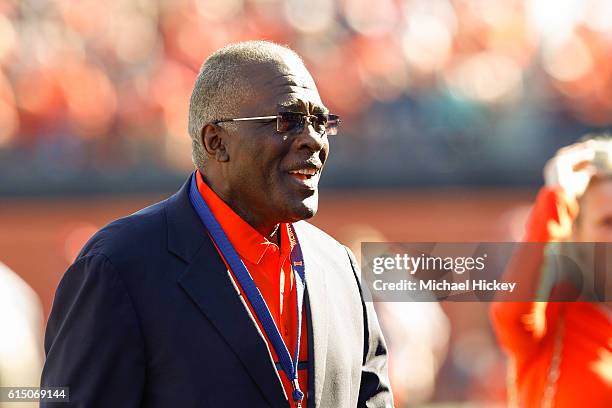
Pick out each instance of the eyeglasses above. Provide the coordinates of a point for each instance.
(295, 121)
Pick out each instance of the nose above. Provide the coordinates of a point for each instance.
(310, 138)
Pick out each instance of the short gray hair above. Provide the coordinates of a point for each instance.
(221, 85)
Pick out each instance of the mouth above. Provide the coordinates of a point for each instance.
(306, 176)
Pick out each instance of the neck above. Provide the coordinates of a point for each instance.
(266, 228)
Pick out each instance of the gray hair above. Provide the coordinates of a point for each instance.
(222, 84)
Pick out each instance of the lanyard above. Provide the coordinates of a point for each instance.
(289, 365)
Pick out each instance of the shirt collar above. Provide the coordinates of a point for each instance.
(248, 242)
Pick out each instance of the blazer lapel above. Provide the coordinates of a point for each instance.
(317, 306)
(208, 283)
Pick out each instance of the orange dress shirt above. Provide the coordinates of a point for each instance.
(270, 267)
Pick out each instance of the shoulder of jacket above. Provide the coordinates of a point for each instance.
(128, 235)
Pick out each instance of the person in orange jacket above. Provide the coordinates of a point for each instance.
(561, 352)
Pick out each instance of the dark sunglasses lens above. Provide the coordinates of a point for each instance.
(331, 124)
(289, 121)
(294, 122)
(319, 122)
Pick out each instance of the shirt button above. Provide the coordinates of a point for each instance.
(286, 331)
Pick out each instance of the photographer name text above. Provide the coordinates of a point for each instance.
(444, 285)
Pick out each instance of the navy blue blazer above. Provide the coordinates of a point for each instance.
(148, 316)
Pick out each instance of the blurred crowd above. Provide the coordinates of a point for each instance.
(95, 90)
(94, 98)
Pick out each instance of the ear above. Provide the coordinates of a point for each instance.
(213, 140)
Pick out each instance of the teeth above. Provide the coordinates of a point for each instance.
(306, 172)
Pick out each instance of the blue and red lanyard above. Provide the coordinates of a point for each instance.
(262, 312)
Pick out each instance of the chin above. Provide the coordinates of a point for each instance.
(305, 209)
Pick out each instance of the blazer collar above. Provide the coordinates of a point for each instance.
(317, 308)
(207, 282)
(186, 234)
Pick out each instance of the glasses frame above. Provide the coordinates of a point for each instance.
(278, 117)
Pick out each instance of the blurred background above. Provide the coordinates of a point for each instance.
(450, 109)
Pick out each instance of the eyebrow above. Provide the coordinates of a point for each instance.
(297, 104)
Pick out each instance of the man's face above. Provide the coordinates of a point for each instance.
(261, 170)
(595, 223)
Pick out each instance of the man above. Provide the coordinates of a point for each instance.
(561, 352)
(193, 302)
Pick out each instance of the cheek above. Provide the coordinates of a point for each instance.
(605, 234)
(252, 159)
(269, 173)
(325, 150)
(594, 232)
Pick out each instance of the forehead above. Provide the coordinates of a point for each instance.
(285, 85)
